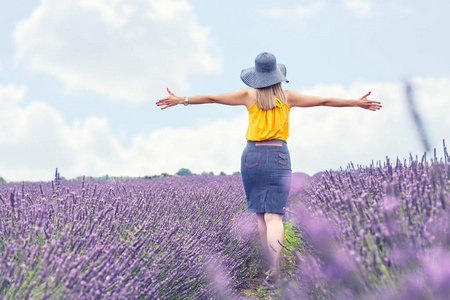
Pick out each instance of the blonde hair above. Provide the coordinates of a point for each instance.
(265, 97)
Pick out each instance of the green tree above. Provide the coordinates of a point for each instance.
(208, 173)
(105, 177)
(2, 180)
(184, 172)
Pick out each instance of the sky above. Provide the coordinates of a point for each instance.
(79, 80)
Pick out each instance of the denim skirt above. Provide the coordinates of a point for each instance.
(266, 175)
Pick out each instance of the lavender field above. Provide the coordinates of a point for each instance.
(377, 232)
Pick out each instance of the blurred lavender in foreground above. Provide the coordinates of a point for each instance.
(416, 116)
(219, 278)
(377, 232)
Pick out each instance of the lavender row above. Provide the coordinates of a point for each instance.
(134, 239)
(377, 231)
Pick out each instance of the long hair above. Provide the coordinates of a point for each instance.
(265, 97)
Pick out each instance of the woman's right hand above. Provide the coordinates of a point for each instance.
(365, 103)
(170, 100)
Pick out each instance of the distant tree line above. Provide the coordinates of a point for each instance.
(187, 172)
(181, 172)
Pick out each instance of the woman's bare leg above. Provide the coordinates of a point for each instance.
(275, 236)
(262, 229)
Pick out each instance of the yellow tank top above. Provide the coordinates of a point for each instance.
(268, 124)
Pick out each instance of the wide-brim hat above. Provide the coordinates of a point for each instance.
(266, 72)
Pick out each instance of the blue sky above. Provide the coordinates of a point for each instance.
(79, 81)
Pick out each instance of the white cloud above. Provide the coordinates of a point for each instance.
(324, 138)
(360, 8)
(432, 100)
(299, 13)
(35, 139)
(216, 147)
(125, 50)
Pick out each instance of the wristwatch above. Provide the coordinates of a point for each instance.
(186, 101)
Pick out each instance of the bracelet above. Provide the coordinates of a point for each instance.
(186, 101)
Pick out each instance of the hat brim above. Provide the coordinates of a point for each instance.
(255, 79)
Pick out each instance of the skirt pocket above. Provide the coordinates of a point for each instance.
(252, 159)
(283, 159)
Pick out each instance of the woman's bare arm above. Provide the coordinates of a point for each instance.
(239, 97)
(295, 99)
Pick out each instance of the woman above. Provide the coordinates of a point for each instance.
(265, 162)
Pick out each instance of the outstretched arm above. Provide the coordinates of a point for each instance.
(295, 99)
(239, 97)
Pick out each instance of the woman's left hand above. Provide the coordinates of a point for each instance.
(365, 103)
(170, 100)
